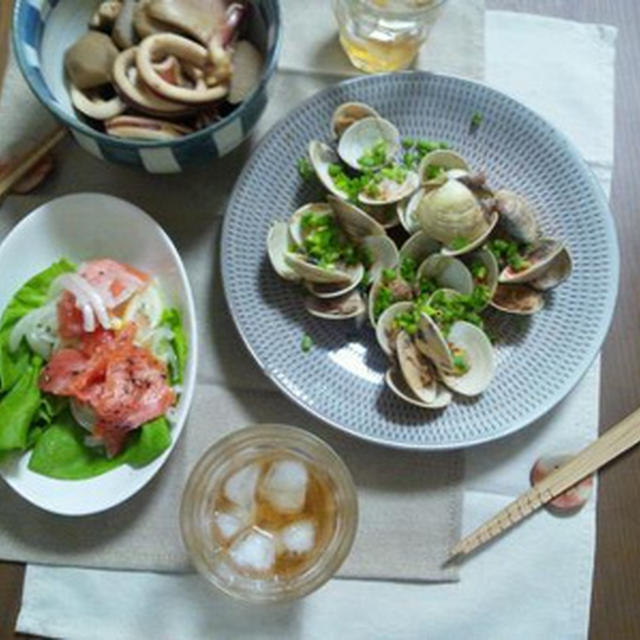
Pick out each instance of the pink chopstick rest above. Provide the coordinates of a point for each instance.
(574, 498)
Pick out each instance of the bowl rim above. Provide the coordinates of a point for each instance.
(78, 125)
(588, 357)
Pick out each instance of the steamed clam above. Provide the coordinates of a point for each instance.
(369, 143)
(387, 327)
(344, 307)
(519, 299)
(536, 260)
(389, 187)
(476, 370)
(397, 383)
(418, 247)
(557, 271)
(347, 113)
(407, 210)
(440, 165)
(484, 271)
(388, 288)
(447, 272)
(453, 215)
(517, 217)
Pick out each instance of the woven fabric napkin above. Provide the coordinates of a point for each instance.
(407, 500)
(534, 582)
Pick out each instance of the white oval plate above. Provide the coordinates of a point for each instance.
(80, 227)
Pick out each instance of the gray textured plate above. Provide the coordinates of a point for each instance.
(341, 379)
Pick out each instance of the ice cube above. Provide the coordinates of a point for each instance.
(254, 551)
(298, 537)
(228, 524)
(240, 487)
(285, 486)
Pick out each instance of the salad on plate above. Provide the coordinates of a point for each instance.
(91, 366)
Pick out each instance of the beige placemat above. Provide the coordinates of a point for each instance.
(410, 503)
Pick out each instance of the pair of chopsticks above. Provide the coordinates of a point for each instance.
(28, 161)
(615, 441)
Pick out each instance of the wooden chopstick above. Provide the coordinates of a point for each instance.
(617, 440)
(28, 161)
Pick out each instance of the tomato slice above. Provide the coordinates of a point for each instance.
(124, 384)
(106, 274)
(70, 319)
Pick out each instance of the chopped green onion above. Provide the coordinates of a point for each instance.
(388, 275)
(434, 170)
(375, 156)
(305, 168)
(408, 269)
(476, 119)
(306, 343)
(407, 143)
(384, 299)
(459, 243)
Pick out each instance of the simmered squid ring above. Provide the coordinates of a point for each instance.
(163, 44)
(136, 93)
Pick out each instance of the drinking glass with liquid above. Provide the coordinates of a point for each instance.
(269, 513)
(384, 35)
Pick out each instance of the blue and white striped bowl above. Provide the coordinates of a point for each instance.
(44, 29)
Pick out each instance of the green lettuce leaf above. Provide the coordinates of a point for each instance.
(60, 451)
(18, 408)
(172, 319)
(30, 296)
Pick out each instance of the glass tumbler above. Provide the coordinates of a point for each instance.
(384, 35)
(257, 447)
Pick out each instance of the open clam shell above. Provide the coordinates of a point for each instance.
(400, 291)
(386, 215)
(448, 273)
(350, 305)
(519, 299)
(407, 210)
(517, 217)
(277, 246)
(418, 372)
(355, 222)
(383, 254)
(314, 273)
(322, 156)
(556, 273)
(347, 113)
(451, 214)
(390, 191)
(360, 137)
(295, 222)
(478, 352)
(433, 344)
(385, 331)
(418, 247)
(540, 257)
(396, 382)
(486, 264)
(336, 290)
(452, 165)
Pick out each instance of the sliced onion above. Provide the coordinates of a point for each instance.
(130, 282)
(39, 327)
(83, 414)
(85, 294)
(88, 318)
(93, 441)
